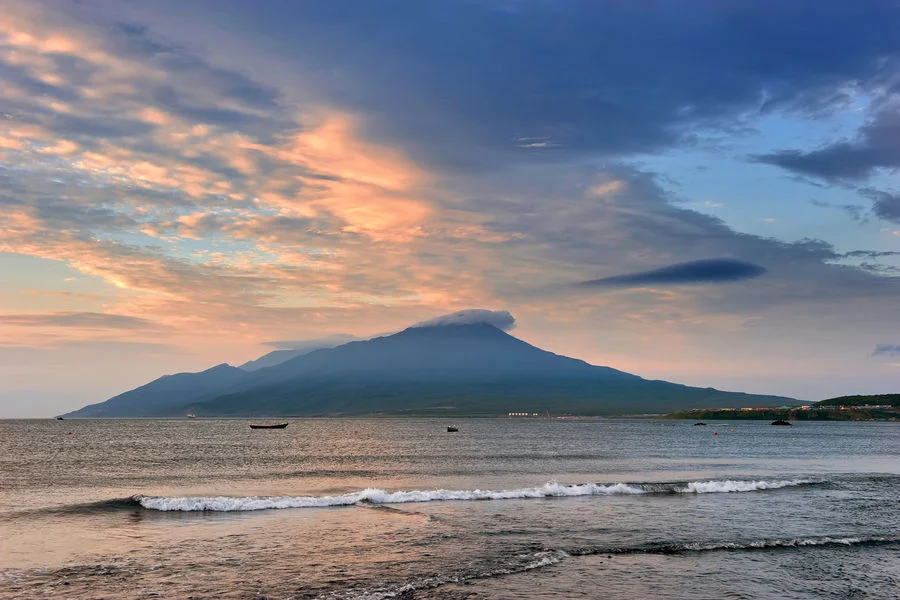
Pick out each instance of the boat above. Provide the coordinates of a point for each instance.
(191, 416)
(700, 424)
(781, 422)
(451, 428)
(59, 418)
(276, 426)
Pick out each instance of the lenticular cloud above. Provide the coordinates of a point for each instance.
(501, 319)
(713, 270)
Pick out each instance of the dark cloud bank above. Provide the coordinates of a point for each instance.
(535, 81)
(597, 77)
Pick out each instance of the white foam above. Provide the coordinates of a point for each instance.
(380, 496)
(790, 543)
(376, 496)
(228, 503)
(545, 559)
(727, 486)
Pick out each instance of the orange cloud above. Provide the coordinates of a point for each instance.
(10, 144)
(61, 147)
(313, 226)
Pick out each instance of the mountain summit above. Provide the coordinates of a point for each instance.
(450, 365)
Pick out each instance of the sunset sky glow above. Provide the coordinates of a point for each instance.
(190, 183)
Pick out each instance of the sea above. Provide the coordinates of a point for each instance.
(401, 508)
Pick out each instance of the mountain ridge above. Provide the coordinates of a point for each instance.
(276, 357)
(160, 396)
(471, 368)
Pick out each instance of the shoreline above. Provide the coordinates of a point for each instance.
(788, 415)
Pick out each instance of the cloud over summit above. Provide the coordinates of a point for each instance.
(500, 319)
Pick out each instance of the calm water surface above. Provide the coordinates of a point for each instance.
(399, 508)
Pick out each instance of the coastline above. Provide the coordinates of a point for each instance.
(890, 415)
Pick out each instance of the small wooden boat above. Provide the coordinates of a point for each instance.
(781, 422)
(451, 428)
(276, 426)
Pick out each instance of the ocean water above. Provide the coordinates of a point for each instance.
(400, 508)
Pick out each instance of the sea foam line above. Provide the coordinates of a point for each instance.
(766, 544)
(550, 557)
(537, 560)
(380, 496)
(727, 486)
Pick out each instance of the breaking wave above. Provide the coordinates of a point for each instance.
(726, 486)
(380, 496)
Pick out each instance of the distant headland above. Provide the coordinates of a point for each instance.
(882, 407)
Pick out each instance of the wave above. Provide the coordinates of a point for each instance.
(536, 560)
(727, 486)
(548, 557)
(771, 544)
(87, 508)
(380, 496)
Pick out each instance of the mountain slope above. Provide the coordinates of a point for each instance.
(459, 369)
(576, 396)
(454, 351)
(277, 357)
(447, 369)
(165, 396)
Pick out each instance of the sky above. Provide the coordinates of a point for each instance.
(702, 192)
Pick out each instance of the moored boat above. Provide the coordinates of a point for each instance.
(781, 422)
(452, 428)
(276, 426)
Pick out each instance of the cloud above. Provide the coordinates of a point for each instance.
(880, 269)
(174, 179)
(886, 350)
(870, 253)
(124, 348)
(588, 93)
(325, 173)
(693, 272)
(877, 145)
(581, 236)
(885, 205)
(839, 161)
(500, 319)
(329, 341)
(80, 320)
